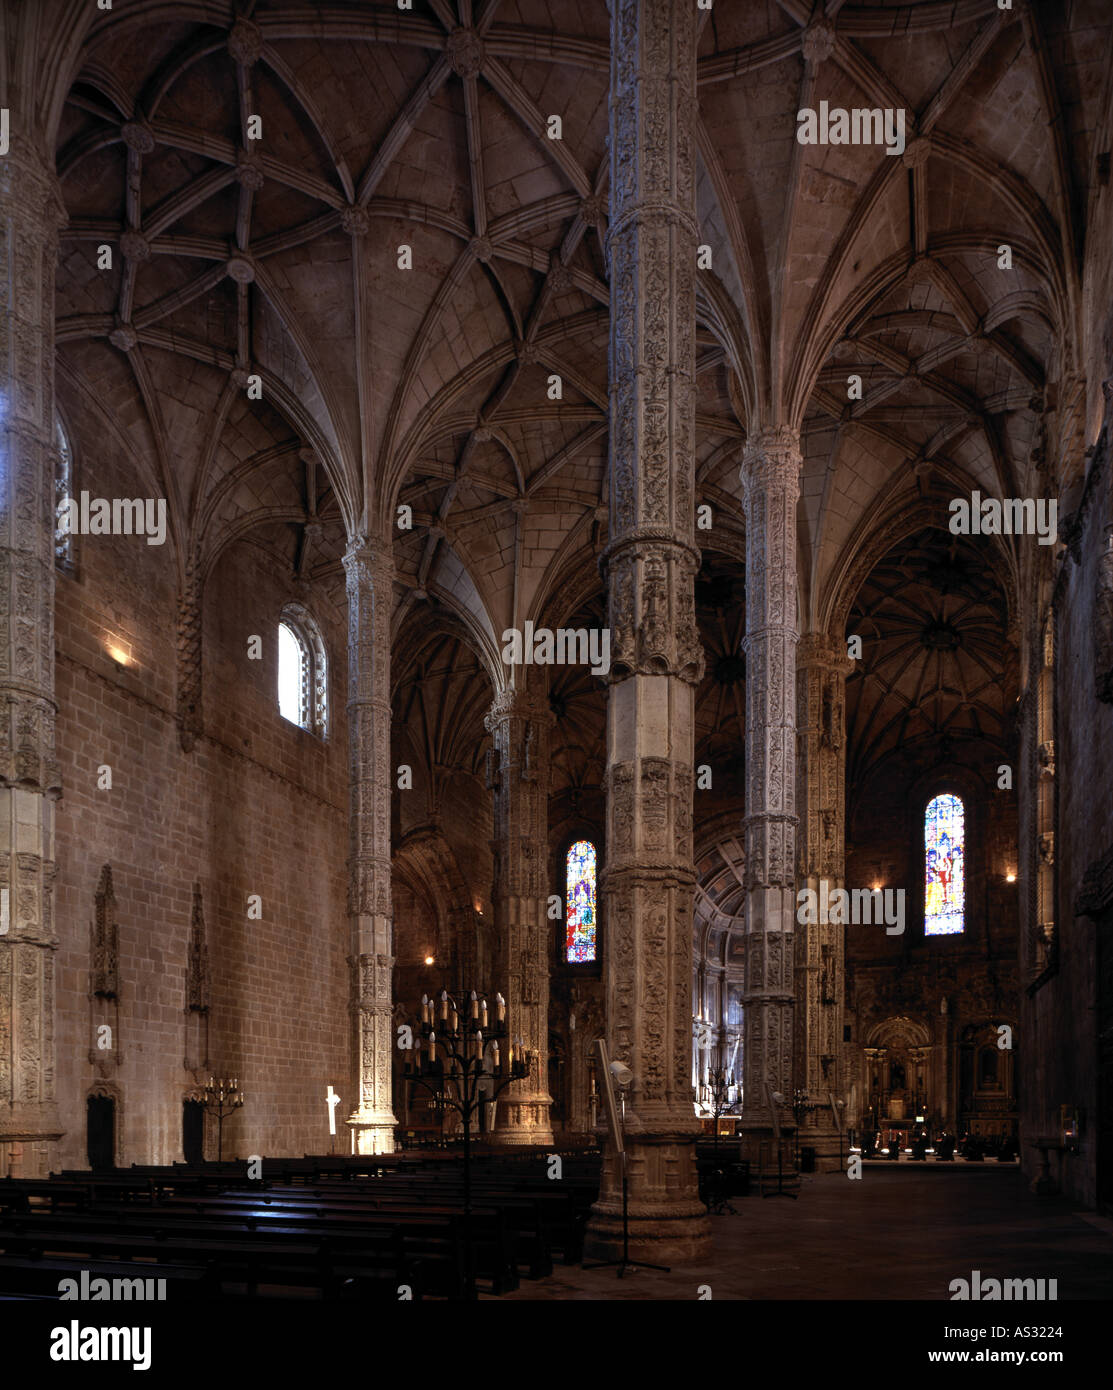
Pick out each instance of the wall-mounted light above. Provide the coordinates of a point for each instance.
(428, 960)
(119, 655)
(1010, 878)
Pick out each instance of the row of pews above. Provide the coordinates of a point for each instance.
(318, 1227)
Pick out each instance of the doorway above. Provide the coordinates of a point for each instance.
(193, 1131)
(100, 1130)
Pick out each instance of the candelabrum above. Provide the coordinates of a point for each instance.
(717, 1101)
(463, 1058)
(716, 1096)
(221, 1098)
(800, 1106)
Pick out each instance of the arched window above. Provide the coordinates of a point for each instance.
(63, 491)
(579, 903)
(944, 866)
(302, 671)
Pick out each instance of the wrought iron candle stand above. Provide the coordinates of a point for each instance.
(461, 1063)
(800, 1106)
(221, 1098)
(719, 1084)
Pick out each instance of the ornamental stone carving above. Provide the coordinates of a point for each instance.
(464, 51)
(135, 246)
(355, 220)
(240, 269)
(123, 337)
(245, 42)
(817, 43)
(137, 137)
(249, 171)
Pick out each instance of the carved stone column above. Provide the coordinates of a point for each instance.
(821, 671)
(189, 664)
(370, 601)
(519, 726)
(771, 482)
(31, 214)
(656, 659)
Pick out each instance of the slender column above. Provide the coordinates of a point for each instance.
(31, 214)
(656, 659)
(821, 671)
(519, 725)
(771, 482)
(370, 600)
(190, 723)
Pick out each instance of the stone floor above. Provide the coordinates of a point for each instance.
(901, 1233)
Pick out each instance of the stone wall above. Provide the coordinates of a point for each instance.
(257, 807)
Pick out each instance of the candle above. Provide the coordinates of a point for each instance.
(495, 1056)
(479, 1043)
(474, 1004)
(432, 1046)
(483, 1014)
(453, 1019)
(501, 1002)
(510, 1056)
(425, 1008)
(444, 1003)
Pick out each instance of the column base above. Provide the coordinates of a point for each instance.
(522, 1123)
(373, 1134)
(668, 1224)
(27, 1149)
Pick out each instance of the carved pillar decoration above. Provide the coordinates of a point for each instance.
(771, 483)
(104, 979)
(821, 672)
(519, 726)
(31, 213)
(197, 988)
(370, 574)
(648, 880)
(189, 658)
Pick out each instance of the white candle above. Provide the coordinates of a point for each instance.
(501, 1002)
(483, 1014)
(474, 1004)
(444, 1003)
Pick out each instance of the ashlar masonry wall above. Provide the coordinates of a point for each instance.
(258, 807)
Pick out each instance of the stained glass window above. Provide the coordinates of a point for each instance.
(63, 491)
(944, 866)
(579, 903)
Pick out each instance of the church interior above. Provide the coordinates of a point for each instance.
(557, 570)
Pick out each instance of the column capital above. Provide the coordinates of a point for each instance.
(771, 459)
(30, 187)
(514, 702)
(823, 649)
(365, 560)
